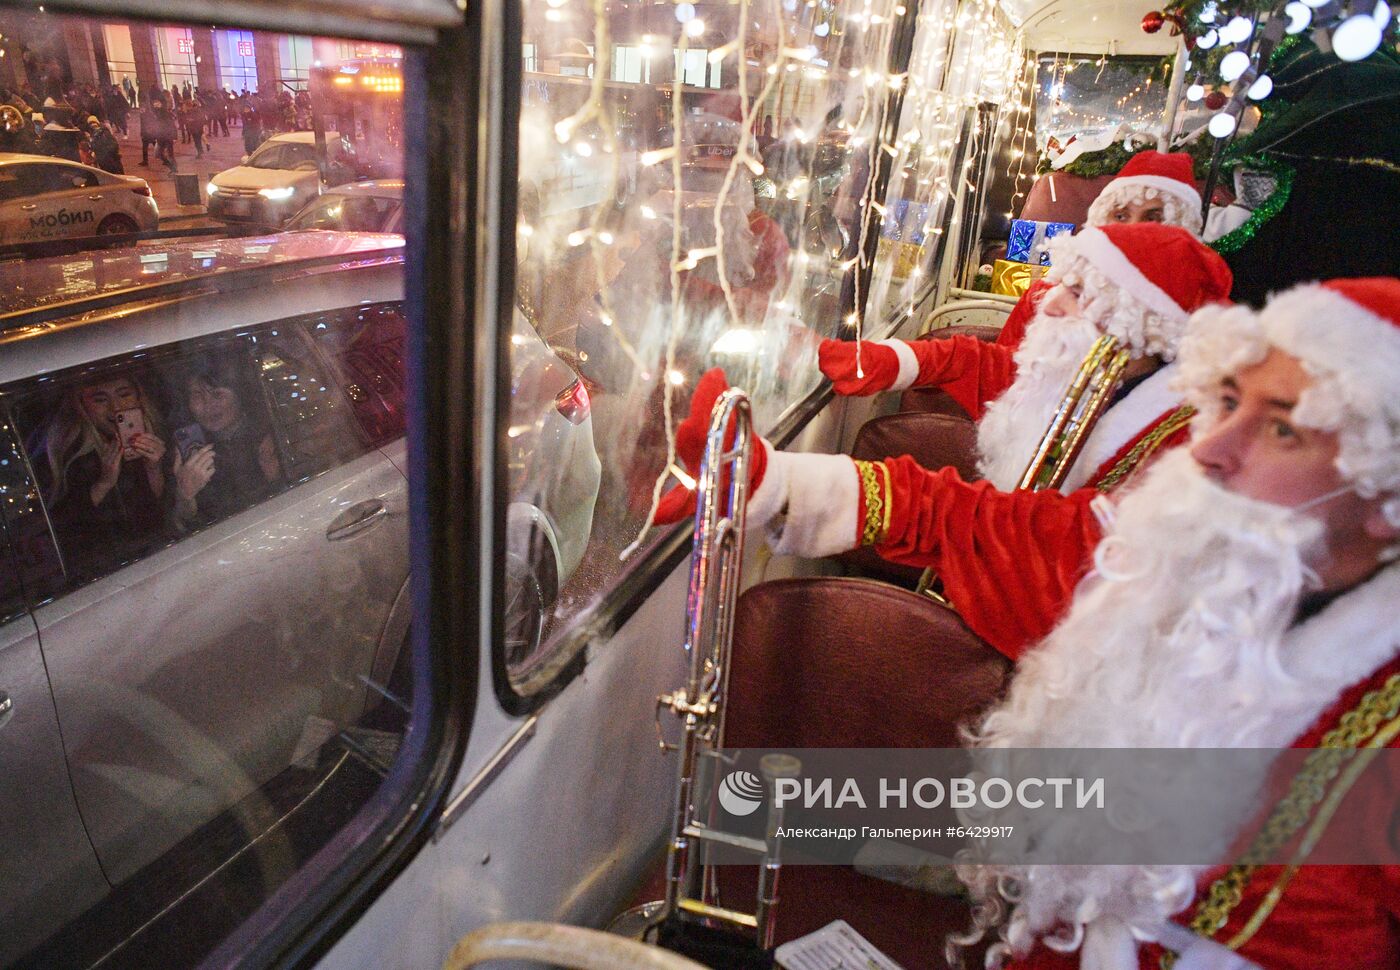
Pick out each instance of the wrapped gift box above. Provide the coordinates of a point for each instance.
(1028, 239)
(1013, 279)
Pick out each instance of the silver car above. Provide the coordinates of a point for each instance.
(162, 661)
(372, 206)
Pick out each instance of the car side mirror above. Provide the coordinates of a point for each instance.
(79, 181)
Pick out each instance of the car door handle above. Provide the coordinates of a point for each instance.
(356, 519)
(7, 708)
(29, 205)
(94, 198)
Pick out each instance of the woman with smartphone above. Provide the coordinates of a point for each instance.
(225, 459)
(105, 456)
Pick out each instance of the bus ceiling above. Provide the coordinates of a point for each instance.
(1087, 27)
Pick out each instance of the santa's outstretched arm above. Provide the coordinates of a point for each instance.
(1008, 560)
(969, 370)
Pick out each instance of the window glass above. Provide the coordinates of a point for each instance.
(359, 212)
(1096, 98)
(204, 497)
(33, 567)
(314, 422)
(939, 124)
(691, 196)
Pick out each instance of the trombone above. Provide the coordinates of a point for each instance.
(716, 560)
(1084, 402)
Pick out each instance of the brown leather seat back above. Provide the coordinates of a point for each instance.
(824, 662)
(931, 400)
(933, 440)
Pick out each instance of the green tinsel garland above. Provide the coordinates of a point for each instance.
(1237, 239)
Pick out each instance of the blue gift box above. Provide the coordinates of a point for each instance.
(1028, 239)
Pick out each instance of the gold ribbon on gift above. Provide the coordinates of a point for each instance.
(1013, 279)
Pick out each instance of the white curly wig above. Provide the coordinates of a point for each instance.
(1352, 355)
(1177, 208)
(1107, 299)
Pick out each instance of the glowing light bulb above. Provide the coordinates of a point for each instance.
(695, 27)
(1234, 64)
(685, 12)
(1222, 125)
(1208, 40)
(1195, 92)
(1236, 31)
(1261, 88)
(1316, 3)
(1357, 38)
(1299, 16)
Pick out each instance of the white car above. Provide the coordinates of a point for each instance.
(43, 198)
(270, 618)
(278, 179)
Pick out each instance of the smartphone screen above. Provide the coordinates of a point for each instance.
(188, 438)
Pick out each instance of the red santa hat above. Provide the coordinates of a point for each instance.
(1149, 176)
(1346, 334)
(1141, 281)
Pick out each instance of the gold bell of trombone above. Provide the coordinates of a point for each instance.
(1084, 402)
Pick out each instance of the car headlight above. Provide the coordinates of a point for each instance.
(211, 189)
(278, 195)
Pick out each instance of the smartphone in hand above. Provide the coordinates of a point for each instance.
(130, 423)
(189, 438)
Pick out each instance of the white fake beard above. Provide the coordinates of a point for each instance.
(1013, 424)
(1173, 642)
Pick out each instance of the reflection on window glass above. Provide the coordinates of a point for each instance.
(203, 504)
(695, 186)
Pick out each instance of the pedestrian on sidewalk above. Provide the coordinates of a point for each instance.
(149, 125)
(104, 147)
(193, 118)
(252, 131)
(165, 134)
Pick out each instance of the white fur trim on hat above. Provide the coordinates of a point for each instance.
(908, 364)
(1162, 183)
(1095, 246)
(822, 498)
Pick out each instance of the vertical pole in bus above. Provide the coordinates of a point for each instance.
(1178, 82)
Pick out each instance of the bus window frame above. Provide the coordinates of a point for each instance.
(626, 593)
(302, 918)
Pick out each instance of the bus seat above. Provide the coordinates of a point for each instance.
(832, 662)
(933, 440)
(931, 399)
(826, 662)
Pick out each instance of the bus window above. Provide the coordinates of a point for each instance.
(716, 190)
(203, 474)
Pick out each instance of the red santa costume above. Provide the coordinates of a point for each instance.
(1237, 656)
(1147, 177)
(1138, 283)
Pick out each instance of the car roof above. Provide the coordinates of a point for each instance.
(15, 158)
(82, 278)
(387, 188)
(302, 137)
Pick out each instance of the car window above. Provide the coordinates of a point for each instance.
(296, 153)
(59, 178)
(97, 440)
(364, 347)
(11, 184)
(350, 213)
(270, 156)
(33, 568)
(315, 423)
(224, 452)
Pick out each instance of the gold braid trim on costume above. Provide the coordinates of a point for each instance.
(875, 487)
(1374, 723)
(1150, 442)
